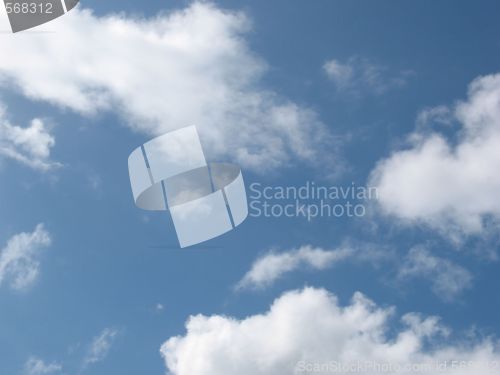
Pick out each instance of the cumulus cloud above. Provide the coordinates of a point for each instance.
(30, 145)
(19, 264)
(100, 346)
(274, 265)
(36, 366)
(309, 328)
(451, 185)
(192, 66)
(358, 75)
(448, 279)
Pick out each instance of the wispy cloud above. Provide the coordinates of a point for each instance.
(97, 351)
(428, 117)
(37, 366)
(19, 264)
(100, 346)
(448, 279)
(274, 265)
(360, 75)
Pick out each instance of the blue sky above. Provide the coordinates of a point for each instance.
(112, 284)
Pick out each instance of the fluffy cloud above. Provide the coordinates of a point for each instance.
(308, 331)
(100, 346)
(358, 75)
(19, 264)
(273, 265)
(449, 185)
(36, 366)
(192, 66)
(30, 146)
(447, 278)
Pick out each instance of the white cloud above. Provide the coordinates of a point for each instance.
(30, 146)
(97, 351)
(192, 66)
(100, 346)
(273, 265)
(357, 75)
(308, 327)
(449, 185)
(447, 278)
(19, 264)
(36, 366)
(428, 117)
(340, 74)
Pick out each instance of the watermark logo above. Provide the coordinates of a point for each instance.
(171, 173)
(450, 366)
(310, 200)
(26, 14)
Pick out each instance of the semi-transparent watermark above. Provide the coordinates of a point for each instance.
(27, 14)
(379, 367)
(310, 200)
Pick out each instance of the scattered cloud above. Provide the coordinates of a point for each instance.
(360, 75)
(274, 265)
(429, 117)
(191, 66)
(97, 351)
(94, 181)
(306, 329)
(448, 279)
(450, 185)
(100, 346)
(30, 145)
(19, 264)
(36, 366)
(341, 74)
